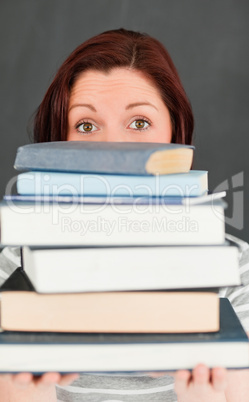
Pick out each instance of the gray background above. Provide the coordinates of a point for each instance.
(208, 41)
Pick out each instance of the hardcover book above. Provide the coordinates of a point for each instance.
(43, 352)
(105, 157)
(114, 312)
(67, 224)
(191, 184)
(130, 268)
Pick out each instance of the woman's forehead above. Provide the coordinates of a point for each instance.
(122, 81)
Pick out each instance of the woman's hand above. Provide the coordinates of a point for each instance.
(24, 387)
(202, 385)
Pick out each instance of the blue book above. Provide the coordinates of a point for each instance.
(105, 157)
(41, 352)
(191, 184)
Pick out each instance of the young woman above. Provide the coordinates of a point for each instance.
(123, 86)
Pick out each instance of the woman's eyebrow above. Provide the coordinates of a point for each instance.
(89, 106)
(131, 105)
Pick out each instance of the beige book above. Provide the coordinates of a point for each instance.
(117, 312)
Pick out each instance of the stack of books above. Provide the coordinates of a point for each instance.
(123, 254)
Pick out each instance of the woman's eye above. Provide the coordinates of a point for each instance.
(86, 127)
(139, 124)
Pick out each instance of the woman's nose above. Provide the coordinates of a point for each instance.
(113, 135)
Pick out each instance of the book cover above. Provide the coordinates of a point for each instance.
(103, 157)
(43, 352)
(191, 184)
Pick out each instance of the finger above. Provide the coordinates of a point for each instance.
(201, 377)
(47, 379)
(67, 379)
(182, 378)
(23, 379)
(219, 379)
(7, 377)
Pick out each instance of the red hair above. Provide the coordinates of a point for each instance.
(116, 48)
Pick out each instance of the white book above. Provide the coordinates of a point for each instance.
(67, 224)
(55, 270)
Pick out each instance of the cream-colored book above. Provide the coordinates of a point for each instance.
(111, 312)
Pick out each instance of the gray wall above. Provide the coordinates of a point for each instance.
(208, 41)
